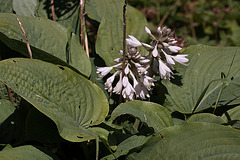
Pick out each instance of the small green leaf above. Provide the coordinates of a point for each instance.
(70, 100)
(154, 115)
(232, 114)
(192, 141)
(206, 117)
(25, 7)
(6, 109)
(24, 153)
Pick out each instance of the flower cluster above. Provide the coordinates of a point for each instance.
(135, 81)
(163, 49)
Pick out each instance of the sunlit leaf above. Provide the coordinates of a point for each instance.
(70, 100)
(197, 85)
(24, 153)
(48, 40)
(206, 117)
(192, 141)
(25, 7)
(154, 115)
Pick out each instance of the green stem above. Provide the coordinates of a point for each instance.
(136, 123)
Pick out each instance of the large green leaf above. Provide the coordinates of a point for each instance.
(6, 109)
(25, 7)
(70, 100)
(192, 141)
(49, 41)
(110, 32)
(154, 115)
(24, 153)
(196, 87)
(206, 117)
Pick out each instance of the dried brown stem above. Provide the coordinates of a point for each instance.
(26, 40)
(82, 3)
(124, 44)
(168, 12)
(53, 11)
(10, 94)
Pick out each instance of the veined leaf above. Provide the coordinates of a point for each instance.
(206, 117)
(48, 41)
(201, 79)
(25, 7)
(24, 153)
(154, 115)
(70, 100)
(110, 33)
(192, 141)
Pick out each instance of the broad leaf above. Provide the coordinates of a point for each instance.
(110, 32)
(192, 141)
(196, 87)
(154, 115)
(24, 153)
(206, 117)
(70, 100)
(25, 7)
(6, 109)
(48, 40)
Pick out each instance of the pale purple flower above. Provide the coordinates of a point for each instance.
(155, 51)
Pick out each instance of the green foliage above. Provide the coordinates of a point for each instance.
(152, 114)
(70, 100)
(24, 153)
(192, 141)
(43, 45)
(196, 86)
(193, 116)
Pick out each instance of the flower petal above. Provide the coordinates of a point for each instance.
(155, 51)
(168, 58)
(133, 42)
(174, 49)
(148, 31)
(181, 59)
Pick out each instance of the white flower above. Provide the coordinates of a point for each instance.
(148, 31)
(118, 88)
(109, 81)
(181, 58)
(148, 82)
(164, 71)
(133, 42)
(103, 71)
(155, 51)
(168, 58)
(174, 49)
(128, 91)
